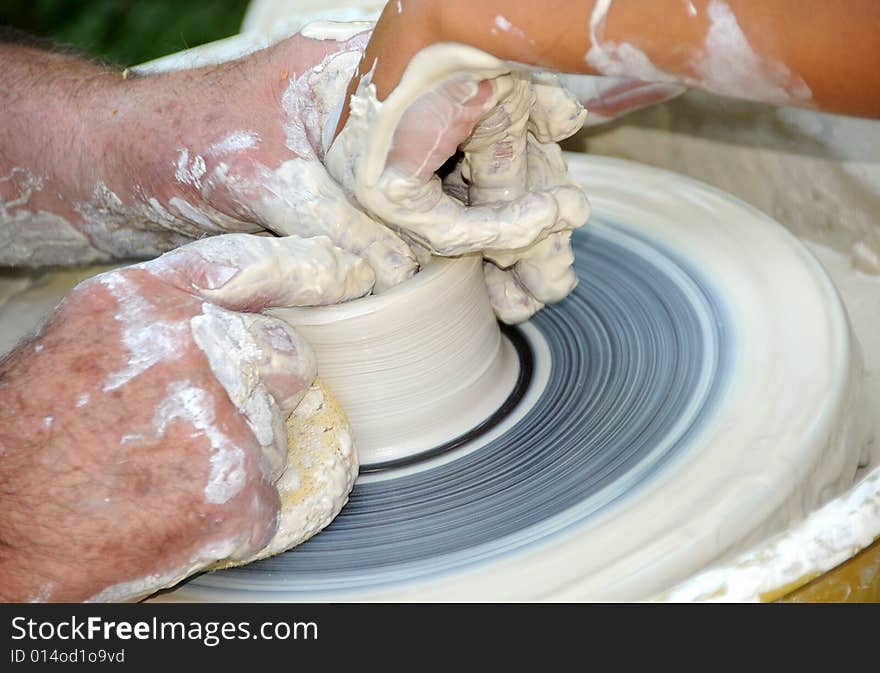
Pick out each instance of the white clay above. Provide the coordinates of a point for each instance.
(618, 59)
(322, 467)
(41, 238)
(520, 282)
(143, 229)
(238, 357)
(189, 172)
(301, 199)
(865, 259)
(827, 538)
(510, 301)
(727, 64)
(338, 31)
(190, 404)
(148, 341)
(288, 271)
(358, 160)
(416, 366)
(313, 96)
(234, 142)
(38, 238)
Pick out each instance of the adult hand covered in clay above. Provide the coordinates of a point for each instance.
(168, 394)
(163, 159)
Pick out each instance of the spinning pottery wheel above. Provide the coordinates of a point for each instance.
(694, 395)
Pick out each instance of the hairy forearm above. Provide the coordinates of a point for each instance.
(88, 157)
(46, 115)
(95, 165)
(809, 53)
(49, 147)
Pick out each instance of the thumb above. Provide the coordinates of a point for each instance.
(264, 365)
(435, 124)
(243, 272)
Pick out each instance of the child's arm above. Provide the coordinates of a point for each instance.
(798, 52)
(809, 53)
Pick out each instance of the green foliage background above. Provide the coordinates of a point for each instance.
(126, 32)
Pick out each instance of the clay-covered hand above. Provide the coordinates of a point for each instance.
(281, 182)
(165, 158)
(502, 197)
(387, 154)
(144, 424)
(608, 98)
(520, 282)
